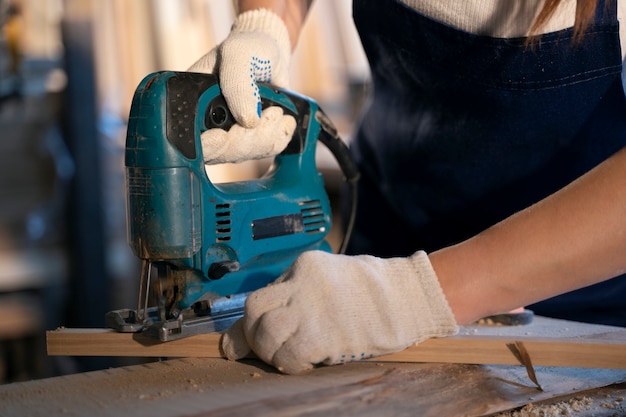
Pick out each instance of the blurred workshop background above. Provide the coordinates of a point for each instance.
(68, 69)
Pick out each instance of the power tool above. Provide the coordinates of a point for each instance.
(205, 246)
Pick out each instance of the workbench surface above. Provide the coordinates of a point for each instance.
(217, 387)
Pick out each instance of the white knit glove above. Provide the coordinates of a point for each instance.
(269, 138)
(257, 49)
(333, 309)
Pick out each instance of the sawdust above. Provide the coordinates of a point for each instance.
(577, 406)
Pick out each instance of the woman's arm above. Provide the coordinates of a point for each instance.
(293, 13)
(572, 239)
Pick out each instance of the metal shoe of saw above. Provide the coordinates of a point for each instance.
(205, 246)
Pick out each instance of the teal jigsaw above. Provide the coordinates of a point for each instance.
(204, 246)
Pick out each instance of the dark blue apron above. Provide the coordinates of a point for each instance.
(463, 130)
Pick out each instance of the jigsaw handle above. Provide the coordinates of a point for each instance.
(219, 116)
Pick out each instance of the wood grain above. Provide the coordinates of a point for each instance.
(202, 387)
(597, 351)
(493, 350)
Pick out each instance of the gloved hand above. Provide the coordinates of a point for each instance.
(257, 49)
(332, 309)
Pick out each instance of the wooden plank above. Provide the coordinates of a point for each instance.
(600, 351)
(106, 342)
(194, 387)
(467, 392)
(494, 350)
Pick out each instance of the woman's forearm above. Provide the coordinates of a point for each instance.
(293, 13)
(572, 239)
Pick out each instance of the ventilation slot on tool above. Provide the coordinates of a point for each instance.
(313, 216)
(222, 222)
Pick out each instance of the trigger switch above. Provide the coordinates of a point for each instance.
(218, 269)
(218, 116)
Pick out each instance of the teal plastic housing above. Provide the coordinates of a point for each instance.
(177, 217)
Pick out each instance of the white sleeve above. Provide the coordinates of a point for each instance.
(501, 19)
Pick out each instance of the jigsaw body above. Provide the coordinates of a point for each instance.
(211, 244)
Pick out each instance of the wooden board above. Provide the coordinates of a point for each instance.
(194, 387)
(599, 347)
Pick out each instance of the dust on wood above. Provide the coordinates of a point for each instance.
(605, 402)
(204, 386)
